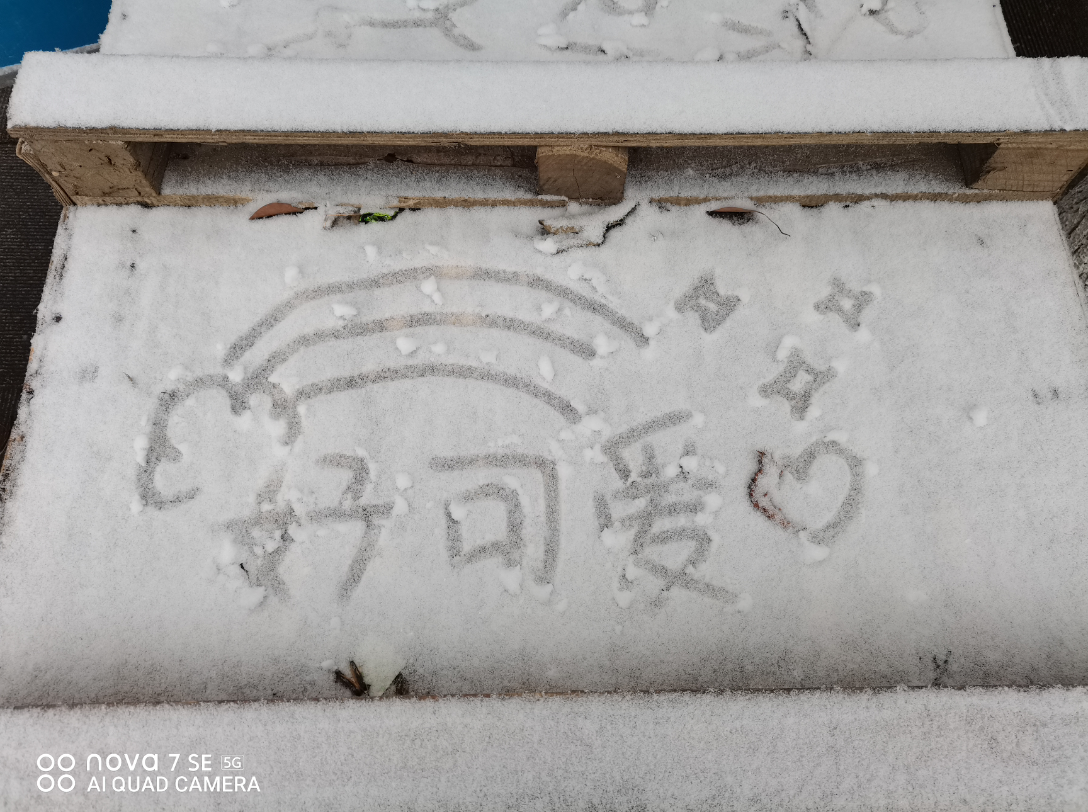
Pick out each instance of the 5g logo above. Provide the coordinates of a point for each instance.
(64, 782)
(232, 762)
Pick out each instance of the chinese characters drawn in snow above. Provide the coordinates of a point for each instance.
(658, 504)
(266, 534)
(655, 517)
(512, 549)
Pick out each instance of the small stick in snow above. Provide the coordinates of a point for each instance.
(737, 213)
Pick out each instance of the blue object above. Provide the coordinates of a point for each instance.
(45, 25)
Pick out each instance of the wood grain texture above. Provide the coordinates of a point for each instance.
(1065, 138)
(473, 202)
(26, 152)
(423, 202)
(321, 155)
(583, 173)
(103, 169)
(184, 201)
(965, 196)
(1017, 168)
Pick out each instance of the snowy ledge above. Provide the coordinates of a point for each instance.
(186, 93)
(918, 750)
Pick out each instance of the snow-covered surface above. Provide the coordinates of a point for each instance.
(917, 750)
(562, 30)
(355, 184)
(437, 455)
(957, 95)
(705, 172)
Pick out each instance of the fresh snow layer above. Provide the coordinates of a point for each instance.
(707, 172)
(184, 93)
(701, 455)
(349, 184)
(561, 30)
(918, 750)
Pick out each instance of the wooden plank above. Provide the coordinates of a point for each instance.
(423, 202)
(823, 199)
(26, 152)
(585, 173)
(585, 98)
(1064, 138)
(411, 202)
(460, 155)
(474, 202)
(184, 201)
(1021, 168)
(103, 169)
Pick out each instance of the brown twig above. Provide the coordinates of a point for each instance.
(729, 212)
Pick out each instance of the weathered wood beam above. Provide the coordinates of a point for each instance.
(1059, 138)
(25, 151)
(98, 169)
(584, 173)
(1021, 168)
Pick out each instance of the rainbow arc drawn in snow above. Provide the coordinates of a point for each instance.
(667, 506)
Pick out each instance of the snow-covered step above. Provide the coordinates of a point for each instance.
(98, 126)
(644, 448)
(666, 104)
(920, 750)
(562, 31)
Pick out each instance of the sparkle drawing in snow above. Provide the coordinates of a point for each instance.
(687, 457)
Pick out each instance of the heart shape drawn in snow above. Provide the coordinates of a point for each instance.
(766, 489)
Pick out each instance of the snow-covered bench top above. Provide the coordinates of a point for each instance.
(921, 750)
(125, 94)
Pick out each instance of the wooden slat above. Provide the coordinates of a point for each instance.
(966, 196)
(421, 202)
(185, 201)
(424, 202)
(234, 155)
(1057, 139)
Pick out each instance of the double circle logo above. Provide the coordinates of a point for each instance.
(64, 782)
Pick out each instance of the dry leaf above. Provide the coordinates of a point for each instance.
(724, 210)
(274, 209)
